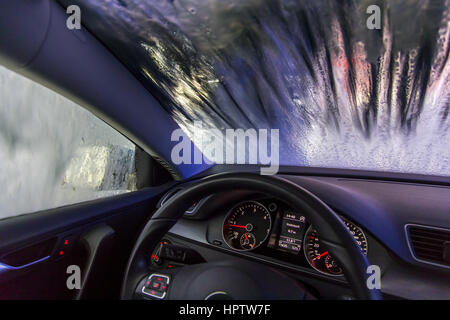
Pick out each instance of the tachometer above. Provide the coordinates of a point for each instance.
(320, 259)
(247, 226)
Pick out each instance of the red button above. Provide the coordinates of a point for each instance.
(155, 285)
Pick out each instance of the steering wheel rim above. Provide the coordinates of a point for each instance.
(334, 234)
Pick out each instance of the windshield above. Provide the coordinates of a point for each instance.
(344, 90)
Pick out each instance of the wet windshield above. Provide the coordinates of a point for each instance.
(345, 88)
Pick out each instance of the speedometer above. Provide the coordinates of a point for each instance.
(319, 258)
(247, 226)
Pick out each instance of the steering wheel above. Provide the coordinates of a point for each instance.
(227, 280)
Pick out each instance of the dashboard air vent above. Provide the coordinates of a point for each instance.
(429, 244)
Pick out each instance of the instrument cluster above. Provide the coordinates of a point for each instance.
(271, 227)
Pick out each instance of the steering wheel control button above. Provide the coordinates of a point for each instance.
(156, 286)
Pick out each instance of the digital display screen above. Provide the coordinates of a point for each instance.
(291, 232)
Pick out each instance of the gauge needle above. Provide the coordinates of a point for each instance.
(326, 252)
(236, 226)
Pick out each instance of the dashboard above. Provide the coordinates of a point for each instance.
(381, 216)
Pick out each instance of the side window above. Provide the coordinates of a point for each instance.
(54, 152)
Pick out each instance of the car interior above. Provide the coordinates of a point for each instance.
(202, 231)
